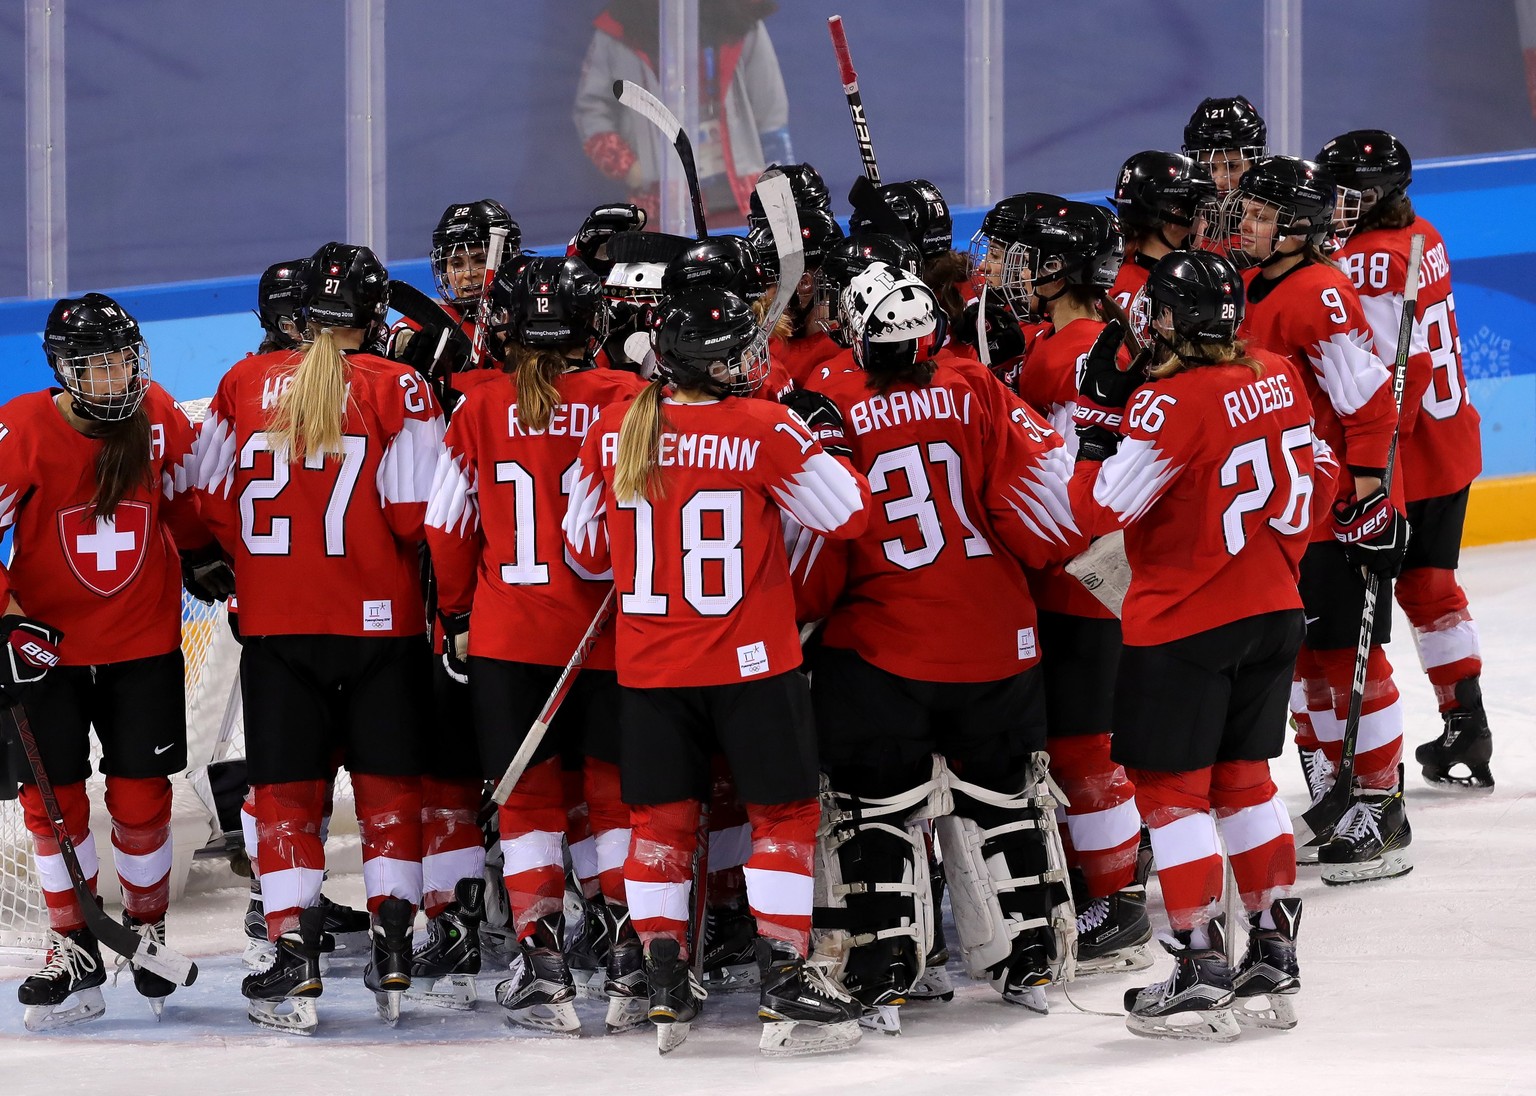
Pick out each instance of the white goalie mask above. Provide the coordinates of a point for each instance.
(894, 319)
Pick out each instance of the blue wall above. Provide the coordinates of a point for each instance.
(196, 329)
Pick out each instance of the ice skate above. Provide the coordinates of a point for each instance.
(1466, 741)
(935, 984)
(345, 930)
(1320, 775)
(540, 993)
(68, 988)
(151, 986)
(587, 952)
(676, 998)
(879, 976)
(1113, 932)
(1370, 840)
(1196, 1000)
(1268, 981)
(283, 996)
(388, 973)
(259, 951)
(803, 1009)
(443, 968)
(1022, 977)
(628, 993)
(730, 949)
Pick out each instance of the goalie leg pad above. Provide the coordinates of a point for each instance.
(874, 910)
(1006, 869)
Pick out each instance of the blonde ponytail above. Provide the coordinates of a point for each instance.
(537, 396)
(311, 414)
(636, 474)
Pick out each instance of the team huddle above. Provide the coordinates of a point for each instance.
(780, 584)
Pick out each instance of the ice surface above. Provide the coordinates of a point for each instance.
(1422, 984)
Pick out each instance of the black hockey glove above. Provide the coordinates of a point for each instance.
(456, 645)
(1000, 328)
(31, 650)
(1374, 534)
(206, 575)
(1102, 393)
(822, 417)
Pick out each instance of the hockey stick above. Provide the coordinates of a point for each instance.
(567, 678)
(493, 249)
(778, 200)
(850, 81)
(700, 888)
(153, 957)
(636, 98)
(1326, 812)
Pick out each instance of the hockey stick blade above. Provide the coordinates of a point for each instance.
(636, 98)
(425, 312)
(783, 218)
(519, 764)
(646, 247)
(153, 957)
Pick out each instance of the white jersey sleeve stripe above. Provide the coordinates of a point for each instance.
(1348, 369)
(1130, 481)
(822, 496)
(454, 505)
(409, 465)
(585, 510)
(212, 460)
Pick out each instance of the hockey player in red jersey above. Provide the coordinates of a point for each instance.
(1159, 196)
(1439, 443)
(516, 605)
(963, 493)
(316, 467)
(1301, 306)
(94, 481)
(1227, 136)
(1213, 483)
(689, 494)
(1062, 259)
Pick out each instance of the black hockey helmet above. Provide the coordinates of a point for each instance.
(846, 259)
(345, 285)
(723, 262)
(1198, 294)
(1284, 196)
(1220, 124)
(1003, 226)
(915, 210)
(461, 230)
(708, 338)
(819, 232)
(554, 302)
(805, 184)
(1074, 243)
(280, 303)
(1371, 161)
(1157, 188)
(603, 224)
(86, 339)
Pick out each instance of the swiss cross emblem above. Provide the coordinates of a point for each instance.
(714, 313)
(334, 269)
(105, 553)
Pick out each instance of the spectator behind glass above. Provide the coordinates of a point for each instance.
(743, 108)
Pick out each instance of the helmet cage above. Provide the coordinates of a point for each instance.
(87, 378)
(468, 254)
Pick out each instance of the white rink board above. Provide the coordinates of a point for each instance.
(1424, 984)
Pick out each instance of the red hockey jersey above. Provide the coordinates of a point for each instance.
(323, 547)
(1214, 485)
(1312, 316)
(1048, 384)
(1130, 293)
(703, 571)
(800, 356)
(111, 585)
(963, 492)
(494, 521)
(1440, 448)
